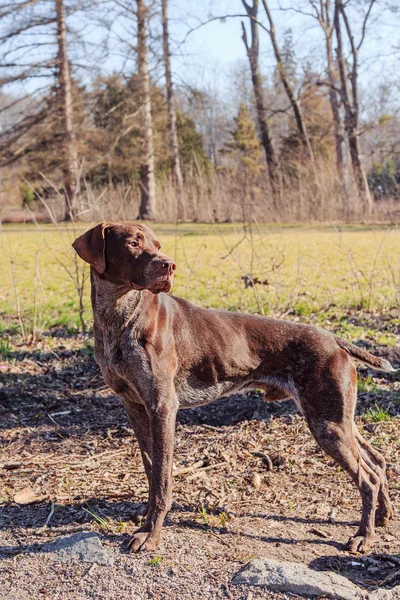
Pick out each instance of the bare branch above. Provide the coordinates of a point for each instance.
(221, 18)
(364, 27)
(244, 35)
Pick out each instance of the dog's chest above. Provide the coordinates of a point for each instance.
(120, 357)
(126, 367)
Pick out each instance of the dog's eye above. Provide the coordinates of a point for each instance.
(134, 244)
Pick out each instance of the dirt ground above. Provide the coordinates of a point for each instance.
(249, 482)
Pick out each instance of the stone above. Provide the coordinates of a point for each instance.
(299, 579)
(83, 546)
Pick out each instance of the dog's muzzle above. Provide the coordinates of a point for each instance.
(163, 273)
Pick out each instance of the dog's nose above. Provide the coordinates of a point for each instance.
(170, 265)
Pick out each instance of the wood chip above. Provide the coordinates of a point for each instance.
(11, 465)
(319, 532)
(194, 467)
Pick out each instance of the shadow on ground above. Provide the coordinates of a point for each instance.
(380, 569)
(63, 390)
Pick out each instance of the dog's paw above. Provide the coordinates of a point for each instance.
(359, 544)
(143, 541)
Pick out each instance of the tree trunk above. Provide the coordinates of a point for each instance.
(337, 125)
(147, 176)
(351, 106)
(70, 158)
(289, 92)
(359, 173)
(173, 136)
(325, 20)
(267, 141)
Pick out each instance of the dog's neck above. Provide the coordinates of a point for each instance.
(115, 304)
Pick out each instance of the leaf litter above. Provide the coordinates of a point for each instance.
(249, 481)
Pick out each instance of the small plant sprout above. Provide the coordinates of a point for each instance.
(101, 521)
(121, 525)
(5, 348)
(366, 384)
(155, 561)
(204, 515)
(223, 519)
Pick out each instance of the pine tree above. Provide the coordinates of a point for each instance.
(245, 144)
(288, 57)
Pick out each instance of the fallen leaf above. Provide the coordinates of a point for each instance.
(26, 496)
(256, 481)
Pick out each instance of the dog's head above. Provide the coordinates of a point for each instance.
(127, 254)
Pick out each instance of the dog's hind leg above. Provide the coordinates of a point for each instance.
(375, 460)
(340, 444)
(330, 415)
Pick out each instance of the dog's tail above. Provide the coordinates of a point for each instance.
(379, 364)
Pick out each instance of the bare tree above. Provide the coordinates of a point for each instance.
(349, 95)
(34, 48)
(173, 136)
(298, 115)
(147, 176)
(253, 56)
(322, 10)
(70, 162)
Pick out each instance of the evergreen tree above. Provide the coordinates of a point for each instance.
(288, 57)
(245, 143)
(113, 142)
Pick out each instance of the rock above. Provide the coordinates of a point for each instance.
(83, 546)
(299, 579)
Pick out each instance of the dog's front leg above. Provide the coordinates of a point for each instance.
(162, 424)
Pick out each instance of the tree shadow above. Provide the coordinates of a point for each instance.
(73, 514)
(69, 518)
(304, 520)
(85, 512)
(374, 570)
(191, 524)
(64, 392)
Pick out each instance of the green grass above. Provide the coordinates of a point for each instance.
(366, 384)
(155, 561)
(308, 269)
(377, 414)
(101, 521)
(5, 348)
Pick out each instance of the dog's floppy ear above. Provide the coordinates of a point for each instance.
(91, 247)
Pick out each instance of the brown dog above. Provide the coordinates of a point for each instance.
(159, 353)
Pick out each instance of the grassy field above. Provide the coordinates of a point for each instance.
(308, 270)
